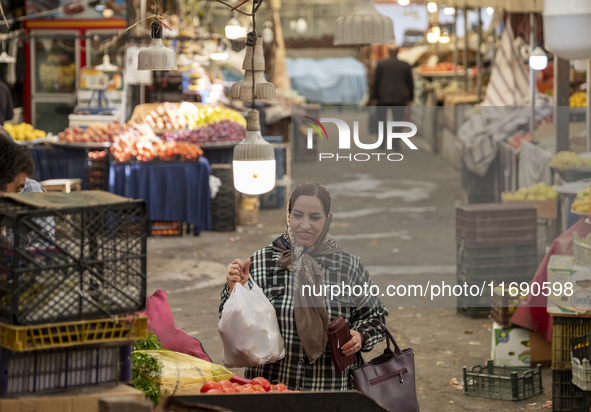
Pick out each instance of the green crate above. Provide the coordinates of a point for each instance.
(502, 382)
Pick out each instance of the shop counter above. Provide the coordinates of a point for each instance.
(173, 191)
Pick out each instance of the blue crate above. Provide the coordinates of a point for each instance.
(274, 199)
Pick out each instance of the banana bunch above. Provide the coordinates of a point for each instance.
(208, 115)
(23, 131)
(578, 99)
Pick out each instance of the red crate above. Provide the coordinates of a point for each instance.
(496, 224)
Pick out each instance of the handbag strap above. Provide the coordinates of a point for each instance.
(390, 338)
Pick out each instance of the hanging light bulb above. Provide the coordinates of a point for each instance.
(432, 7)
(404, 2)
(264, 90)
(267, 33)
(538, 60)
(449, 11)
(156, 57)
(254, 160)
(444, 38)
(433, 35)
(301, 25)
(107, 66)
(364, 25)
(234, 30)
(6, 58)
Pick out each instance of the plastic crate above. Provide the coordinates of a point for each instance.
(97, 169)
(474, 306)
(72, 263)
(478, 278)
(581, 373)
(564, 329)
(56, 370)
(160, 228)
(502, 382)
(223, 206)
(60, 335)
(502, 260)
(496, 224)
(567, 397)
(574, 174)
(503, 305)
(581, 251)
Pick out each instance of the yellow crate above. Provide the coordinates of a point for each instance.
(121, 329)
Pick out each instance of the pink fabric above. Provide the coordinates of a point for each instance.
(531, 313)
(161, 323)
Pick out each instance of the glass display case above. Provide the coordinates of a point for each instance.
(94, 53)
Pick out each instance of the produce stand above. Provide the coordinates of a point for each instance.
(328, 401)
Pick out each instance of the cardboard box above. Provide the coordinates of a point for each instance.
(510, 346)
(576, 299)
(81, 400)
(545, 209)
(540, 350)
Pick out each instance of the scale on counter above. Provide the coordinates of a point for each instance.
(98, 83)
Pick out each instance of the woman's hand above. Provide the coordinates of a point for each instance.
(237, 271)
(354, 344)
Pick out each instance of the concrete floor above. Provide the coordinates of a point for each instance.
(400, 219)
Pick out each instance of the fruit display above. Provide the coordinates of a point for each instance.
(174, 117)
(516, 140)
(537, 191)
(222, 131)
(255, 385)
(110, 133)
(582, 203)
(125, 151)
(24, 131)
(567, 159)
(578, 99)
(439, 67)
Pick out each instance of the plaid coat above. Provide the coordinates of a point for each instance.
(294, 370)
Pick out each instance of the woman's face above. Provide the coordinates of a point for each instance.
(17, 184)
(307, 220)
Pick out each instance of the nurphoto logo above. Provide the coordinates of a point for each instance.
(344, 135)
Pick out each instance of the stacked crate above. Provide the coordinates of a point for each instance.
(223, 205)
(69, 275)
(496, 242)
(275, 199)
(566, 396)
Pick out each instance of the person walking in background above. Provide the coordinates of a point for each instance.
(393, 87)
(6, 105)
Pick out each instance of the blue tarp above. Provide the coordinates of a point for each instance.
(340, 80)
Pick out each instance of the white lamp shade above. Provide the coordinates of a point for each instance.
(233, 29)
(365, 25)
(538, 59)
(254, 160)
(254, 177)
(106, 66)
(6, 58)
(157, 57)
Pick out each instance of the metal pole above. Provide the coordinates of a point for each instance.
(479, 57)
(532, 74)
(588, 117)
(454, 32)
(465, 55)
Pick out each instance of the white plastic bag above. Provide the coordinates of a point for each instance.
(249, 329)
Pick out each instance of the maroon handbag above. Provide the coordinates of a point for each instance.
(388, 379)
(338, 334)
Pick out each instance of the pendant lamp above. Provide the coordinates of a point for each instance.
(364, 25)
(156, 57)
(6, 58)
(263, 90)
(538, 60)
(254, 160)
(106, 66)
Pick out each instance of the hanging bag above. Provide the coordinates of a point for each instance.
(388, 379)
(249, 329)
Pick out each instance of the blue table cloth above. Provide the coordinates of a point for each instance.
(60, 163)
(330, 81)
(174, 192)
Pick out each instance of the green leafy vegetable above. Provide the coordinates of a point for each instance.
(144, 368)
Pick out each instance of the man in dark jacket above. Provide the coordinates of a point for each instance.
(393, 88)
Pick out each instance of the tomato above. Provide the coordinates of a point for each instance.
(280, 387)
(249, 390)
(227, 390)
(262, 382)
(213, 392)
(258, 388)
(211, 385)
(226, 384)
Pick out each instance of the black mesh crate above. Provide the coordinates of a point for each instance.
(564, 329)
(71, 262)
(566, 396)
(473, 305)
(223, 206)
(504, 260)
(55, 370)
(496, 224)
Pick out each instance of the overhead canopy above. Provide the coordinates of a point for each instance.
(511, 6)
